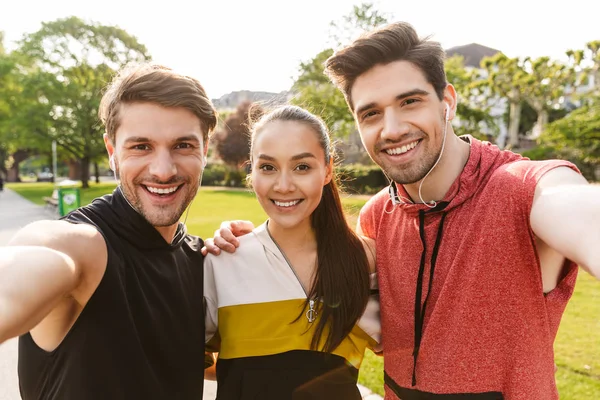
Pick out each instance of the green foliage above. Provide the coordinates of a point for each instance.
(313, 89)
(576, 137)
(315, 92)
(473, 109)
(361, 179)
(60, 73)
(214, 175)
(362, 18)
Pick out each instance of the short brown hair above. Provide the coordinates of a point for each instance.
(394, 42)
(151, 83)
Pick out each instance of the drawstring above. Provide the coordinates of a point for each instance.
(420, 310)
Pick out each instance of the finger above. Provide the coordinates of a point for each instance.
(241, 227)
(226, 225)
(227, 236)
(209, 247)
(224, 245)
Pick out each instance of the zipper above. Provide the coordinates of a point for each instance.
(311, 313)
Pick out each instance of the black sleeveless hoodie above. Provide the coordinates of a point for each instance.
(141, 335)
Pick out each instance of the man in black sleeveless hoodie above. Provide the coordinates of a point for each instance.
(108, 301)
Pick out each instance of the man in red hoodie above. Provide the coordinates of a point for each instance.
(477, 248)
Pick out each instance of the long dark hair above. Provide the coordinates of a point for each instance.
(341, 280)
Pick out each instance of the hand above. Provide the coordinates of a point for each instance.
(225, 238)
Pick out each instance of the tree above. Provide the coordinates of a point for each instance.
(233, 141)
(362, 18)
(504, 77)
(316, 93)
(473, 108)
(545, 85)
(313, 89)
(16, 143)
(69, 62)
(576, 137)
(593, 49)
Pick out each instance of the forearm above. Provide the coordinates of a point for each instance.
(210, 373)
(567, 218)
(32, 281)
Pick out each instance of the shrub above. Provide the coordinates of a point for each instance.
(361, 179)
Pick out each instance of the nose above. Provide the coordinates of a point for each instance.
(284, 182)
(163, 166)
(393, 126)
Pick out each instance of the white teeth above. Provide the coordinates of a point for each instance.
(286, 204)
(161, 190)
(403, 149)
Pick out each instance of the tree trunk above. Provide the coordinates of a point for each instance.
(84, 164)
(74, 170)
(513, 126)
(96, 172)
(13, 173)
(17, 157)
(542, 119)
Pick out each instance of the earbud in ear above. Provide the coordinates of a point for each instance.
(447, 113)
(204, 161)
(111, 163)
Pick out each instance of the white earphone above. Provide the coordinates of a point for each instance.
(111, 162)
(393, 190)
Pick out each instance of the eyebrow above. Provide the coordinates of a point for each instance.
(401, 96)
(294, 158)
(142, 139)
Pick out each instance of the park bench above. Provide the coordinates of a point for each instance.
(52, 201)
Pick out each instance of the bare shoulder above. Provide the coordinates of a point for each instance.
(369, 246)
(81, 242)
(559, 176)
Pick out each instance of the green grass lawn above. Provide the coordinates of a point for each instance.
(577, 347)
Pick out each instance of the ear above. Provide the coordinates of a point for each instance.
(205, 153)
(451, 100)
(329, 173)
(110, 147)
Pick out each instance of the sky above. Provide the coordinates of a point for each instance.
(258, 44)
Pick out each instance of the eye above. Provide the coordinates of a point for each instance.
(368, 114)
(302, 167)
(140, 147)
(184, 145)
(266, 167)
(411, 101)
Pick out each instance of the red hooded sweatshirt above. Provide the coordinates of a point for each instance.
(462, 303)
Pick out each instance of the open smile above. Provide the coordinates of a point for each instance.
(162, 191)
(287, 203)
(394, 151)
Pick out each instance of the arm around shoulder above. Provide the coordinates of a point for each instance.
(45, 261)
(565, 215)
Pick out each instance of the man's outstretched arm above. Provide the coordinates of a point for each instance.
(565, 215)
(42, 264)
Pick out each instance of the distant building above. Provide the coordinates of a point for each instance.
(472, 53)
(230, 101)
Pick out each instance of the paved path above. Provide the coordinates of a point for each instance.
(16, 212)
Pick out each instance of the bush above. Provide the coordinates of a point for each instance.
(354, 178)
(214, 175)
(235, 177)
(361, 179)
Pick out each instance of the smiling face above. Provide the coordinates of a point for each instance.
(288, 172)
(158, 156)
(400, 119)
